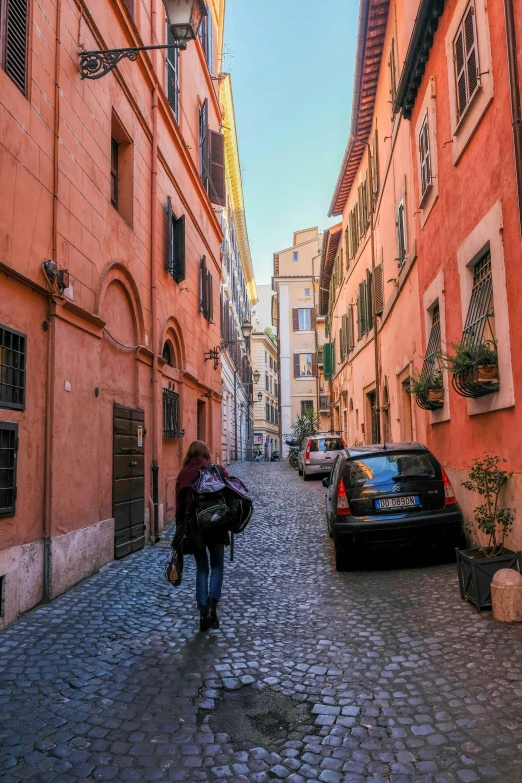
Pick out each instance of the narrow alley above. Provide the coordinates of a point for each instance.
(380, 675)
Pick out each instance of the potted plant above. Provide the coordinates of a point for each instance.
(477, 566)
(480, 360)
(428, 387)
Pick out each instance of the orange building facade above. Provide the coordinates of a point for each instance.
(104, 380)
(425, 257)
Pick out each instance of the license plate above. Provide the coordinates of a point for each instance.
(325, 467)
(404, 502)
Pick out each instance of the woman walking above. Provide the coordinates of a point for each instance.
(202, 547)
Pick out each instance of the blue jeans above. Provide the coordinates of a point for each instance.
(217, 558)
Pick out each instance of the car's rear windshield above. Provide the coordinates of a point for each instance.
(382, 468)
(326, 444)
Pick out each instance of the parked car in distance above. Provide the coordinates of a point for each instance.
(383, 495)
(318, 454)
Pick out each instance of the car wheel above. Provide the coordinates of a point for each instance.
(344, 561)
(306, 477)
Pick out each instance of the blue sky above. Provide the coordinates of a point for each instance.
(292, 76)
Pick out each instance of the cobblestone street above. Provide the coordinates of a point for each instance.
(381, 675)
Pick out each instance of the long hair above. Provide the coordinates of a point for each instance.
(196, 449)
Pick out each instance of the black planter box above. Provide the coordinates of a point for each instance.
(476, 573)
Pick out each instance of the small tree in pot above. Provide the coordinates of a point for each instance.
(480, 360)
(478, 566)
(429, 386)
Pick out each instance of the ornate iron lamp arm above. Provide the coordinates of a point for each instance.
(95, 64)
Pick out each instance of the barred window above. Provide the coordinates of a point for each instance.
(12, 368)
(8, 454)
(480, 324)
(171, 427)
(431, 368)
(307, 406)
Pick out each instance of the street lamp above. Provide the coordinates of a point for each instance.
(256, 375)
(260, 396)
(184, 19)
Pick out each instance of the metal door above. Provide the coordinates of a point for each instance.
(128, 492)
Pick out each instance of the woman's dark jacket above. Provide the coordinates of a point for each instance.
(186, 480)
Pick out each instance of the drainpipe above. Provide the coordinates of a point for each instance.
(235, 414)
(316, 343)
(514, 91)
(154, 315)
(51, 344)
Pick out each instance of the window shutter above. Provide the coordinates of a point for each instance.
(369, 300)
(217, 189)
(297, 366)
(170, 237)
(15, 41)
(363, 301)
(359, 318)
(203, 143)
(351, 340)
(341, 344)
(378, 291)
(178, 249)
(209, 52)
(327, 360)
(314, 365)
(203, 286)
(471, 51)
(313, 319)
(210, 299)
(295, 319)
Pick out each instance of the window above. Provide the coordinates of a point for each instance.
(114, 173)
(401, 235)
(266, 382)
(205, 37)
(271, 363)
(307, 292)
(424, 153)
(171, 415)
(8, 454)
(176, 250)
(478, 337)
(307, 406)
(275, 388)
(14, 22)
(375, 165)
(303, 319)
(266, 358)
(465, 54)
(172, 76)
(12, 369)
(271, 386)
(167, 354)
(121, 170)
(205, 283)
(431, 366)
(295, 255)
(275, 366)
(365, 307)
(267, 411)
(305, 365)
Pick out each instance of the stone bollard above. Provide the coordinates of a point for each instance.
(506, 596)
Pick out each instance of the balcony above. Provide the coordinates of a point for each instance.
(324, 403)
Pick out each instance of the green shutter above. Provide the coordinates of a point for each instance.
(328, 360)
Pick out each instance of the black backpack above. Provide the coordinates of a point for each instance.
(220, 503)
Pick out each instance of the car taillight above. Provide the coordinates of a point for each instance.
(449, 495)
(343, 507)
(307, 452)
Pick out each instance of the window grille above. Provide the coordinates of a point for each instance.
(431, 365)
(8, 456)
(465, 54)
(324, 402)
(171, 415)
(478, 338)
(424, 153)
(12, 368)
(307, 406)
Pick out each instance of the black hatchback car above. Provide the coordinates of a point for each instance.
(394, 494)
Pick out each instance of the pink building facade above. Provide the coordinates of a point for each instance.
(426, 255)
(103, 375)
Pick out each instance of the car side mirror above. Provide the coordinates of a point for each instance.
(326, 481)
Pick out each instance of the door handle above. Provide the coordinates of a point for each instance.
(133, 464)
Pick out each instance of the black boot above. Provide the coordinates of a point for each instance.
(204, 619)
(213, 618)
